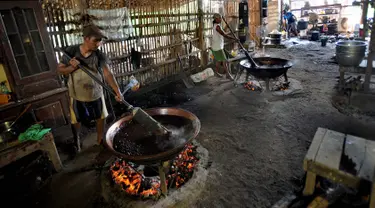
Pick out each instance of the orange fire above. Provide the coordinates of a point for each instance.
(250, 86)
(282, 86)
(182, 167)
(130, 180)
(133, 182)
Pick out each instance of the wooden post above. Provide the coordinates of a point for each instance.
(370, 59)
(372, 196)
(364, 18)
(202, 44)
(281, 14)
(163, 181)
(309, 184)
(261, 21)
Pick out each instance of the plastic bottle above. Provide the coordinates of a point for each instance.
(3, 88)
(133, 85)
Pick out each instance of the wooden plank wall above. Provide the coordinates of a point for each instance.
(254, 19)
(273, 18)
(165, 28)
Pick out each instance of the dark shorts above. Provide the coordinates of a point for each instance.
(87, 111)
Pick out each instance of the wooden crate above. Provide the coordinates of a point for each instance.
(324, 156)
(10, 152)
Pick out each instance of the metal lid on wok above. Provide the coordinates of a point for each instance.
(192, 129)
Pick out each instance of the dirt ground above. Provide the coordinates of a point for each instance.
(256, 141)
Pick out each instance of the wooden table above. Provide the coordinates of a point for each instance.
(324, 157)
(13, 151)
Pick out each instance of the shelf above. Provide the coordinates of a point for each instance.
(34, 98)
(323, 6)
(320, 15)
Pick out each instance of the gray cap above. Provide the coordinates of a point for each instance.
(93, 30)
(216, 15)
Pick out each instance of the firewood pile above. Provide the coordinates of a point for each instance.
(349, 85)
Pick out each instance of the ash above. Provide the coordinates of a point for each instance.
(295, 46)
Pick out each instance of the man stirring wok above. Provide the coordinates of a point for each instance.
(86, 96)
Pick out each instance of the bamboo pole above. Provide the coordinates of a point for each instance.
(202, 44)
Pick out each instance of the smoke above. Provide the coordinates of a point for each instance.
(177, 137)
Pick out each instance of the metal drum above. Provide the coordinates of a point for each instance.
(274, 39)
(350, 53)
(302, 25)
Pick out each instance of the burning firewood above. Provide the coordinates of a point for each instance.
(280, 86)
(135, 183)
(253, 86)
(182, 167)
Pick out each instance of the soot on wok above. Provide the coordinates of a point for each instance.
(134, 140)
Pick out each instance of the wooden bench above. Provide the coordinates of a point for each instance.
(324, 157)
(13, 151)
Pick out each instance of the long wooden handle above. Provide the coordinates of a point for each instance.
(86, 70)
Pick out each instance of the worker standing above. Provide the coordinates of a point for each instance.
(86, 96)
(291, 23)
(218, 46)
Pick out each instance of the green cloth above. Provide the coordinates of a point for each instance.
(34, 133)
(219, 55)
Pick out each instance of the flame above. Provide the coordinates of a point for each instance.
(152, 191)
(250, 86)
(132, 182)
(282, 86)
(183, 167)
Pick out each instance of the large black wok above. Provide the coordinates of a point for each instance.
(142, 148)
(268, 68)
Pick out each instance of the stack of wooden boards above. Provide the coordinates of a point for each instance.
(327, 152)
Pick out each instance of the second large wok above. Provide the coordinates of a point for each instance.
(268, 68)
(152, 150)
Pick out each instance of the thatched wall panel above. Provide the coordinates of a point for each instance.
(158, 29)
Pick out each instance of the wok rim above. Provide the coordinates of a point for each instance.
(155, 157)
(288, 63)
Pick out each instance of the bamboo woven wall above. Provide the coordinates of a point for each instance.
(159, 29)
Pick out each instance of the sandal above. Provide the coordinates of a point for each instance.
(218, 74)
(229, 76)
